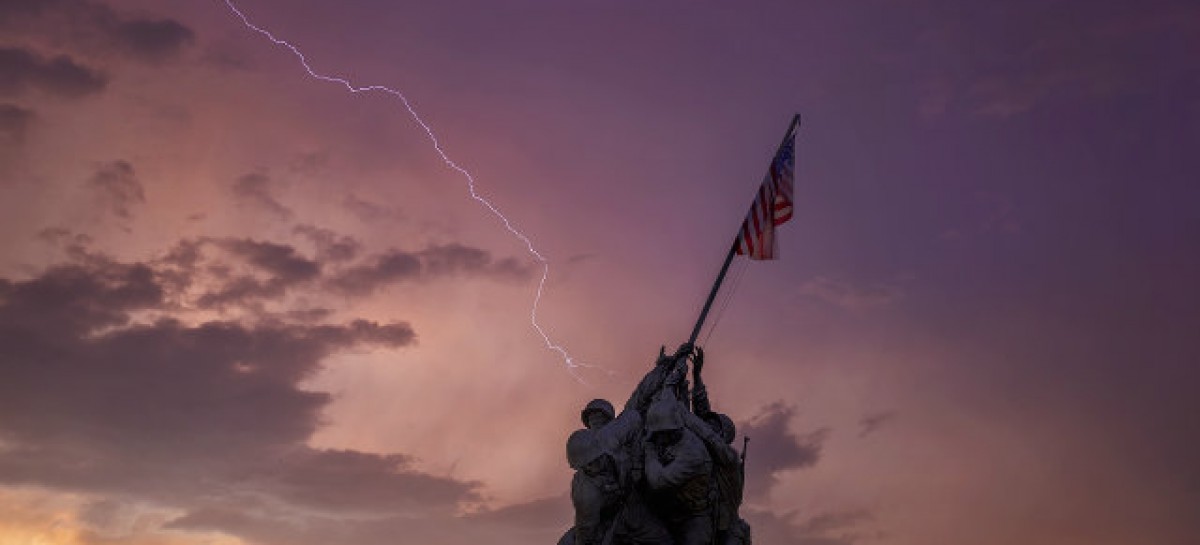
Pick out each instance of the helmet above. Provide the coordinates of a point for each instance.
(582, 448)
(601, 405)
(663, 416)
(723, 425)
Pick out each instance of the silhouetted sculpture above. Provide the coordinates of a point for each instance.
(679, 471)
(597, 488)
(728, 470)
(597, 413)
(608, 462)
(658, 473)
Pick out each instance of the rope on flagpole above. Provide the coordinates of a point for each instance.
(733, 249)
(737, 280)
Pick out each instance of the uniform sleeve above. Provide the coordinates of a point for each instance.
(722, 453)
(700, 403)
(645, 390)
(691, 460)
(625, 428)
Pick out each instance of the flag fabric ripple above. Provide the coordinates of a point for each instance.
(772, 206)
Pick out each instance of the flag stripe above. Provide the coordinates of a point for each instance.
(772, 206)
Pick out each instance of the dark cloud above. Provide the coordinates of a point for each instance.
(458, 259)
(281, 260)
(106, 389)
(12, 10)
(388, 268)
(539, 521)
(547, 514)
(245, 273)
(14, 123)
(188, 416)
(256, 189)
(872, 422)
(151, 40)
(276, 527)
(245, 523)
(119, 188)
(281, 264)
(834, 528)
(94, 27)
(63, 358)
(330, 245)
(345, 480)
(309, 315)
(432, 262)
(21, 69)
(54, 234)
(369, 212)
(774, 448)
(65, 239)
(827, 523)
(217, 272)
(78, 298)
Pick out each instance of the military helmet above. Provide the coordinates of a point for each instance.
(663, 415)
(601, 405)
(582, 448)
(723, 425)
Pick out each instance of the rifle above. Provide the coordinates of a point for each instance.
(745, 447)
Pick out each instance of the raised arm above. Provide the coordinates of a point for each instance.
(700, 404)
(722, 453)
(652, 382)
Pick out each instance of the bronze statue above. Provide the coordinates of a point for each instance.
(658, 473)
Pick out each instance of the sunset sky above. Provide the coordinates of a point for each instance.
(239, 305)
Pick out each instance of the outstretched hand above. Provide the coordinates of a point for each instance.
(662, 356)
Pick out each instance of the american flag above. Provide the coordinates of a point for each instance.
(771, 207)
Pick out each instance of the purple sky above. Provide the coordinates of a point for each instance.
(241, 306)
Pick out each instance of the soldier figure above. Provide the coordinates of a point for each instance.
(607, 459)
(717, 431)
(596, 414)
(597, 489)
(678, 469)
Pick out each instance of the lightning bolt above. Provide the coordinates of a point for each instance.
(573, 366)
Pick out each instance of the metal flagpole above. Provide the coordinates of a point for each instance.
(733, 249)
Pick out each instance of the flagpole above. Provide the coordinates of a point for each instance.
(712, 294)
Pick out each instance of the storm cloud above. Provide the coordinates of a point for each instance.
(257, 189)
(776, 448)
(173, 412)
(330, 245)
(151, 40)
(994, 239)
(62, 76)
(95, 27)
(432, 262)
(119, 187)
